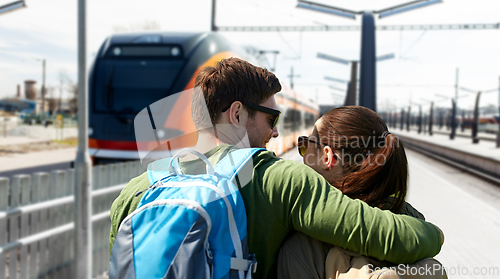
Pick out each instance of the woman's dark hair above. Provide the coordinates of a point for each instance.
(373, 160)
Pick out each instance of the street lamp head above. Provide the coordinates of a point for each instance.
(333, 58)
(335, 79)
(467, 90)
(325, 9)
(385, 57)
(406, 7)
(12, 6)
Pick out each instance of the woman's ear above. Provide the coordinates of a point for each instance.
(329, 158)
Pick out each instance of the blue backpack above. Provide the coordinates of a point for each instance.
(188, 226)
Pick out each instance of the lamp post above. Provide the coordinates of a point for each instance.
(83, 175)
(368, 85)
(475, 124)
(475, 121)
(402, 119)
(498, 133)
(408, 123)
(452, 120)
(431, 116)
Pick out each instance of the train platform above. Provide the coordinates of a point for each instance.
(481, 159)
(466, 208)
(465, 134)
(486, 146)
(34, 159)
(10, 140)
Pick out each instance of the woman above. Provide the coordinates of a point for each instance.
(353, 149)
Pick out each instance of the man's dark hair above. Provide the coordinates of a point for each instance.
(231, 80)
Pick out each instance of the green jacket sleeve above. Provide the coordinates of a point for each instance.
(309, 204)
(125, 204)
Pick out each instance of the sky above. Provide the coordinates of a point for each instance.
(425, 62)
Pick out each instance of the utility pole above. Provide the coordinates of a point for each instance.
(291, 76)
(213, 27)
(275, 52)
(498, 134)
(353, 88)
(43, 89)
(61, 80)
(83, 175)
(454, 107)
(456, 87)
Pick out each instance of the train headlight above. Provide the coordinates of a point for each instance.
(90, 131)
(175, 51)
(117, 51)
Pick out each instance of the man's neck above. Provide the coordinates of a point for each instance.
(207, 139)
(206, 142)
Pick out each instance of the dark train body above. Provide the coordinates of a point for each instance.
(132, 71)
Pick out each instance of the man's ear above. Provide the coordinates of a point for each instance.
(236, 113)
(329, 159)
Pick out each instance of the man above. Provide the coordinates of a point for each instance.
(283, 196)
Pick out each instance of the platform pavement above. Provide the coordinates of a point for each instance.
(41, 132)
(445, 131)
(484, 148)
(35, 134)
(464, 212)
(19, 140)
(465, 134)
(34, 159)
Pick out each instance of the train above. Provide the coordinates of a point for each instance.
(487, 123)
(132, 71)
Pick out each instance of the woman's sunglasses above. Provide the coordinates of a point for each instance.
(275, 113)
(303, 144)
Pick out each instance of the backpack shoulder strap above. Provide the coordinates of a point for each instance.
(237, 166)
(229, 166)
(159, 169)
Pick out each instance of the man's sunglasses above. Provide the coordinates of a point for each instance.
(303, 144)
(276, 113)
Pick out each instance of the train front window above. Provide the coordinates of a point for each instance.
(129, 85)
